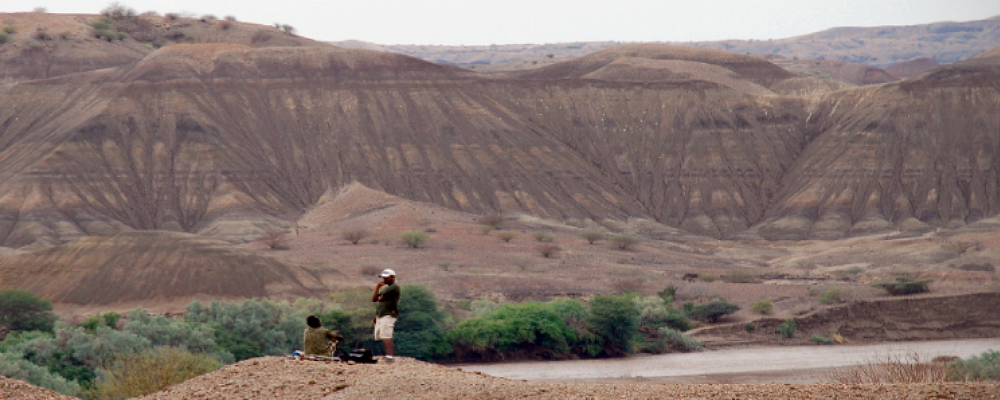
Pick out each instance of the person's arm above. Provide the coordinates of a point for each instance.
(334, 334)
(375, 296)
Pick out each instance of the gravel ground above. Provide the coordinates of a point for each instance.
(274, 377)
(283, 378)
(15, 389)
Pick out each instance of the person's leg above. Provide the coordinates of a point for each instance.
(331, 348)
(387, 325)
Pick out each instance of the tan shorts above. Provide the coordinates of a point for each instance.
(384, 326)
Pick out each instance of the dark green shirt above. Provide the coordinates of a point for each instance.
(389, 303)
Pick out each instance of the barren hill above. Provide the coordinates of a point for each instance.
(911, 68)
(913, 155)
(232, 140)
(744, 67)
(145, 268)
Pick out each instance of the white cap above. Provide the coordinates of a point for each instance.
(387, 273)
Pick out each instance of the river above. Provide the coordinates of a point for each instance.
(798, 364)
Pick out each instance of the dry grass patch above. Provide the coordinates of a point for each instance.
(138, 374)
(892, 369)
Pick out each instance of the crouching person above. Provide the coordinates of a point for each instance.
(319, 341)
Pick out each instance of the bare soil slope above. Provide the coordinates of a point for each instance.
(152, 269)
(911, 155)
(749, 68)
(233, 140)
(912, 68)
(927, 317)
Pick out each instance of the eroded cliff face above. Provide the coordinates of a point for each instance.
(231, 141)
(912, 156)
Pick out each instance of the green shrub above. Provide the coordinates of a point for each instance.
(24, 311)
(623, 242)
(252, 328)
(592, 235)
(4, 37)
(133, 375)
(10, 29)
(668, 294)
(679, 341)
(413, 239)
(354, 235)
(762, 307)
(74, 352)
(818, 339)
(161, 331)
(421, 332)
(17, 338)
(903, 285)
(15, 367)
(506, 236)
(615, 319)
(787, 328)
(548, 250)
(985, 367)
(708, 278)
(542, 237)
(525, 330)
(714, 310)
(655, 314)
(831, 296)
(109, 320)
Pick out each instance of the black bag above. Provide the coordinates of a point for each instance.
(361, 356)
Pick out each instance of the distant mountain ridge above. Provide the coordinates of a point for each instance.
(883, 46)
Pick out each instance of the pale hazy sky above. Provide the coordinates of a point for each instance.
(549, 21)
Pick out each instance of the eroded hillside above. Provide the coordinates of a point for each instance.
(232, 141)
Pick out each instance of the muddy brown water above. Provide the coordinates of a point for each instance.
(746, 365)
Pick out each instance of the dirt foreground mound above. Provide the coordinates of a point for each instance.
(280, 378)
(15, 389)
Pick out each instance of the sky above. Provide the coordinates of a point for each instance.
(478, 22)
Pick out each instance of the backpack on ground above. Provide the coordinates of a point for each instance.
(361, 356)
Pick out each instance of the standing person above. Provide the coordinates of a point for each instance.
(319, 341)
(387, 296)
